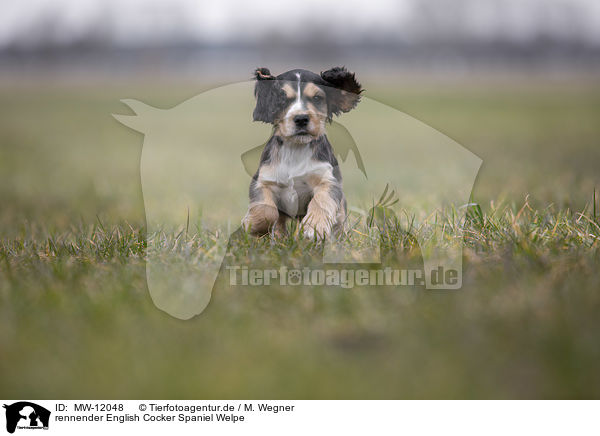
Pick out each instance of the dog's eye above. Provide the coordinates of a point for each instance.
(317, 98)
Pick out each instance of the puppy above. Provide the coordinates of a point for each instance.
(298, 176)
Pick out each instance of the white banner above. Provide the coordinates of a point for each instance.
(300, 417)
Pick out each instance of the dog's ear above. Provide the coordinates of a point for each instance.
(267, 96)
(346, 90)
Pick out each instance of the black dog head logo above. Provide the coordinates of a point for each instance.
(31, 415)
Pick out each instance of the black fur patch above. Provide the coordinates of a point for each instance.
(269, 96)
(346, 93)
(323, 152)
(265, 158)
(254, 194)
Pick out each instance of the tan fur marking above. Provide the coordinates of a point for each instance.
(322, 212)
(267, 172)
(310, 90)
(314, 180)
(312, 108)
(290, 92)
(261, 215)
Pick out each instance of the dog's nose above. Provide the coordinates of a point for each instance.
(301, 120)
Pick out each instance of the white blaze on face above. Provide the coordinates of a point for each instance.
(287, 127)
(298, 104)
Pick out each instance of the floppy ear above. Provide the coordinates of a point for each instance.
(347, 90)
(267, 94)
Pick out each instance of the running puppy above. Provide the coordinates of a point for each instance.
(298, 176)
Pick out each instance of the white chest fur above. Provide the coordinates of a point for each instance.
(288, 177)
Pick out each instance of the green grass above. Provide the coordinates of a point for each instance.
(76, 319)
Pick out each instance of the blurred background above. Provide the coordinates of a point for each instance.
(224, 40)
(514, 81)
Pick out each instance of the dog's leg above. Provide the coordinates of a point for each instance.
(262, 212)
(322, 213)
(341, 216)
(280, 228)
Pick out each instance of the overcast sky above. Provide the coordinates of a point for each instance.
(31, 23)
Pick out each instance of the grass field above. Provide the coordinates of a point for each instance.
(76, 319)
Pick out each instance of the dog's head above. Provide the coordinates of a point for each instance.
(299, 102)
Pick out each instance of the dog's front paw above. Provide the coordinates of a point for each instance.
(316, 225)
(308, 232)
(260, 218)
